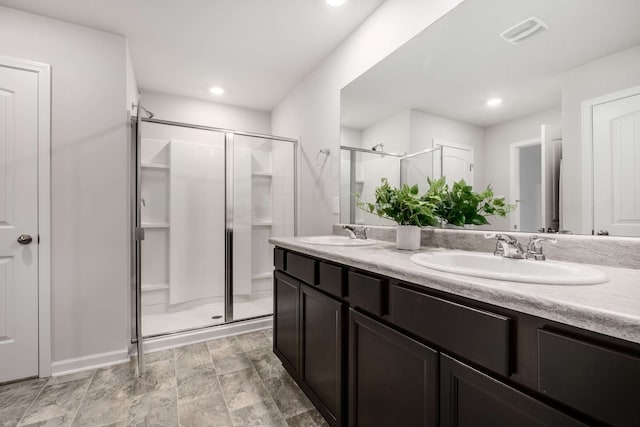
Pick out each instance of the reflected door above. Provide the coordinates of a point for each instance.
(616, 169)
(456, 162)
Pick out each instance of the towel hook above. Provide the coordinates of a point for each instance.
(321, 162)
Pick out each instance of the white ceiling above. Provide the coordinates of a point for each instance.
(455, 65)
(258, 50)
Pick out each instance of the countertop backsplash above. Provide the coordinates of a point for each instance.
(623, 252)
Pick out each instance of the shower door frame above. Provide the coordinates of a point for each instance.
(137, 231)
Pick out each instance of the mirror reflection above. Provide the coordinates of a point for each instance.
(538, 99)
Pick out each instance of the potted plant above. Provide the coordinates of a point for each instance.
(460, 205)
(407, 208)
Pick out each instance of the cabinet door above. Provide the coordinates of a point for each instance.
(393, 379)
(471, 398)
(322, 365)
(286, 334)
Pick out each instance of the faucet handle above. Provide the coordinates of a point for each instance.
(356, 231)
(534, 247)
(538, 239)
(501, 237)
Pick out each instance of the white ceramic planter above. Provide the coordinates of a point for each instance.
(408, 237)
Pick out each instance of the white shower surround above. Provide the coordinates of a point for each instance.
(197, 218)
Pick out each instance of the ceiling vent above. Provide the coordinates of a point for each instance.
(523, 30)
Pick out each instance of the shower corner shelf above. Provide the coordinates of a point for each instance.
(155, 225)
(154, 166)
(265, 275)
(148, 287)
(261, 224)
(262, 174)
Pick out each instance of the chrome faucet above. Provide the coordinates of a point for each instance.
(507, 246)
(534, 247)
(356, 231)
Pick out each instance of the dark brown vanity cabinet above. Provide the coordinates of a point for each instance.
(373, 351)
(393, 379)
(322, 367)
(310, 331)
(286, 325)
(471, 398)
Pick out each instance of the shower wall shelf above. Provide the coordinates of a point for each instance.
(154, 166)
(148, 287)
(155, 225)
(262, 174)
(265, 275)
(261, 224)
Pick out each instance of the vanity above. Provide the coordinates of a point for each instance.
(374, 339)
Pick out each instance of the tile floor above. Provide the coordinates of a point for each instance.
(235, 381)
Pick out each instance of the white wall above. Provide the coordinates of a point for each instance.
(132, 84)
(189, 110)
(393, 132)
(311, 112)
(496, 153)
(613, 73)
(89, 184)
(350, 137)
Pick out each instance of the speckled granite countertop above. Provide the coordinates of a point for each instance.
(611, 308)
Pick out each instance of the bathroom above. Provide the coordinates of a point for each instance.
(159, 200)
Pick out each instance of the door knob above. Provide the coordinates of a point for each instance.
(25, 239)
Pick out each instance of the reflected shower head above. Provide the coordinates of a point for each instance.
(149, 113)
(375, 147)
(140, 107)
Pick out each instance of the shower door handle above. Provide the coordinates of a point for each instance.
(25, 239)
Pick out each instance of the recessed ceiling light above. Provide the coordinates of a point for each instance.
(494, 102)
(336, 2)
(217, 90)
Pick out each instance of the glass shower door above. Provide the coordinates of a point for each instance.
(182, 194)
(260, 204)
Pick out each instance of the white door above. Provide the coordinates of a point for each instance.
(550, 137)
(616, 169)
(457, 162)
(18, 217)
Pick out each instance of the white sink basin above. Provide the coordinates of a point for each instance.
(514, 270)
(336, 241)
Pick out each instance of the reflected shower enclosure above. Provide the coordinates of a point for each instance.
(361, 172)
(209, 200)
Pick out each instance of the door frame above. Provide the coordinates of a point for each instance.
(514, 178)
(43, 71)
(587, 152)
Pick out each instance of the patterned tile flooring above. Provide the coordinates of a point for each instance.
(235, 381)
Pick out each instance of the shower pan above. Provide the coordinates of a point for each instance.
(205, 203)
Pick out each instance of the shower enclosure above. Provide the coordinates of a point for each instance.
(362, 169)
(205, 202)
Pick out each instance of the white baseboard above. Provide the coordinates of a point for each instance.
(100, 360)
(185, 338)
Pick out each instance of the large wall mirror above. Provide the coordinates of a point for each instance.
(538, 98)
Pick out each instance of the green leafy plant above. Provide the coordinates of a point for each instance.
(460, 205)
(403, 205)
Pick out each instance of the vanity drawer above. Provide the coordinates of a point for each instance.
(595, 380)
(473, 334)
(331, 279)
(366, 292)
(279, 257)
(301, 267)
